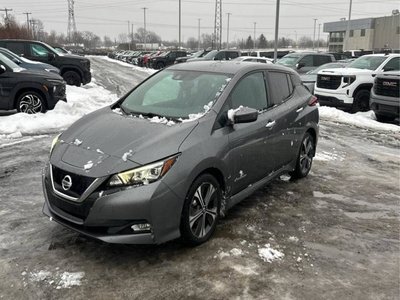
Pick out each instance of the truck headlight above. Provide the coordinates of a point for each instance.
(348, 80)
(143, 175)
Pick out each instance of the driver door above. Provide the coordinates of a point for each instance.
(38, 52)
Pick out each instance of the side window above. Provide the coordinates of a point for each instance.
(17, 48)
(250, 92)
(220, 56)
(38, 50)
(321, 59)
(307, 61)
(172, 55)
(290, 84)
(393, 65)
(232, 55)
(278, 84)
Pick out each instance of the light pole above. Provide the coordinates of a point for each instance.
(319, 32)
(180, 22)
(347, 35)
(313, 42)
(227, 32)
(129, 28)
(145, 33)
(276, 30)
(198, 35)
(254, 46)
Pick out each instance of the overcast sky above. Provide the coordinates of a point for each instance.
(110, 17)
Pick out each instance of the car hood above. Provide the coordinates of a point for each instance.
(38, 74)
(308, 77)
(345, 71)
(72, 57)
(106, 142)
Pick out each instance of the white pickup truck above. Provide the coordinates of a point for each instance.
(351, 86)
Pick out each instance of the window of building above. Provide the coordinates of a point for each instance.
(362, 32)
(351, 33)
(398, 30)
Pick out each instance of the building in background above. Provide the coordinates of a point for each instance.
(369, 34)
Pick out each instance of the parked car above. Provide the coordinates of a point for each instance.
(385, 98)
(310, 78)
(28, 91)
(28, 64)
(341, 56)
(270, 54)
(182, 147)
(166, 59)
(197, 54)
(254, 59)
(218, 55)
(74, 69)
(350, 87)
(304, 62)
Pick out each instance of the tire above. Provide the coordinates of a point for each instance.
(160, 65)
(31, 103)
(199, 215)
(361, 101)
(72, 78)
(305, 157)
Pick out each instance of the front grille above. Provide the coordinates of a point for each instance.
(60, 90)
(330, 82)
(79, 183)
(78, 210)
(387, 87)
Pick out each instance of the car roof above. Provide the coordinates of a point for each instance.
(227, 67)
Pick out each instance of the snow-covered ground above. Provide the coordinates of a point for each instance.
(133, 67)
(81, 101)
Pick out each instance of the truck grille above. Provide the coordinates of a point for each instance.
(387, 87)
(328, 81)
(79, 183)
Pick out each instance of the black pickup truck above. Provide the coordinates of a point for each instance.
(73, 68)
(166, 59)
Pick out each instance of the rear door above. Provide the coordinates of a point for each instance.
(320, 60)
(306, 63)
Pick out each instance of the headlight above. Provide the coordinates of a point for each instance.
(348, 80)
(143, 175)
(54, 143)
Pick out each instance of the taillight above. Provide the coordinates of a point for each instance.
(313, 101)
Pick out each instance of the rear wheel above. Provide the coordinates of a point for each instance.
(201, 210)
(72, 78)
(30, 103)
(160, 65)
(305, 157)
(361, 101)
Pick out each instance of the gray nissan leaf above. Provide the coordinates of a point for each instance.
(179, 150)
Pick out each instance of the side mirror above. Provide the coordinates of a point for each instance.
(242, 115)
(2, 69)
(51, 56)
(17, 61)
(299, 65)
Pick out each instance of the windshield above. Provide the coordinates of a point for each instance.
(198, 54)
(326, 66)
(9, 63)
(211, 55)
(288, 60)
(367, 62)
(175, 94)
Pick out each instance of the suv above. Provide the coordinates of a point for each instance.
(166, 59)
(305, 61)
(197, 54)
(350, 87)
(28, 91)
(218, 55)
(74, 69)
(385, 98)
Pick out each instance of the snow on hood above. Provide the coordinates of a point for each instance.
(345, 71)
(110, 143)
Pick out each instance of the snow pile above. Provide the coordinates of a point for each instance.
(40, 276)
(81, 101)
(193, 117)
(233, 252)
(126, 154)
(328, 156)
(63, 280)
(360, 119)
(162, 120)
(133, 67)
(69, 279)
(269, 254)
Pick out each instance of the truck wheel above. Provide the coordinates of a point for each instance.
(305, 157)
(72, 78)
(31, 103)
(160, 65)
(361, 101)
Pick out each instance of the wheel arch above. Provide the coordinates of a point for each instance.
(364, 86)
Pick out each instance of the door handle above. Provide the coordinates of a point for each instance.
(299, 109)
(270, 124)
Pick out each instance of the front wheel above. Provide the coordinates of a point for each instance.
(201, 210)
(305, 157)
(30, 103)
(72, 78)
(361, 101)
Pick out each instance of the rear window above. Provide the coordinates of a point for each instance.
(321, 59)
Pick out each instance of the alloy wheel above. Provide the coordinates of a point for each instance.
(30, 104)
(306, 155)
(203, 210)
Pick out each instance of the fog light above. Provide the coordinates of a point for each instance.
(141, 227)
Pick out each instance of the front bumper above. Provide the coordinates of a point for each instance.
(109, 215)
(385, 106)
(87, 77)
(53, 96)
(333, 99)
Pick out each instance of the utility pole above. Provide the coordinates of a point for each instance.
(33, 24)
(227, 32)
(276, 30)
(27, 18)
(132, 33)
(218, 24)
(347, 35)
(313, 42)
(319, 31)
(198, 33)
(129, 28)
(145, 32)
(6, 10)
(254, 45)
(295, 34)
(180, 25)
(71, 32)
